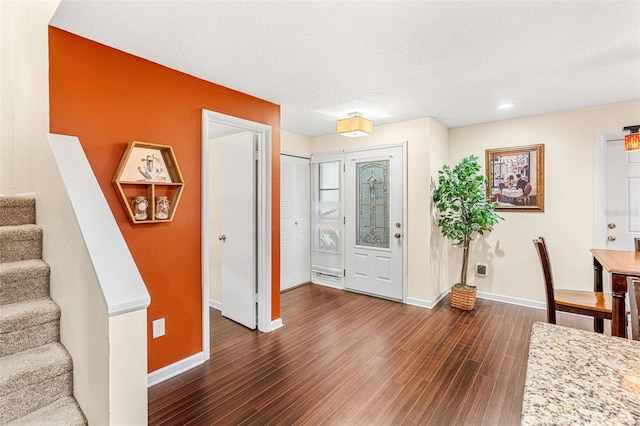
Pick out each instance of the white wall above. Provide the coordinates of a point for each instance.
(422, 135)
(292, 143)
(568, 221)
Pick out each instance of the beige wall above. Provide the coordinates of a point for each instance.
(24, 85)
(27, 165)
(439, 155)
(292, 143)
(568, 221)
(422, 136)
(127, 339)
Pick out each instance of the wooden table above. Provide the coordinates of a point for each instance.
(620, 264)
(577, 377)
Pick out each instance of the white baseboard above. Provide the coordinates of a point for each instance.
(215, 305)
(276, 324)
(429, 304)
(512, 300)
(481, 295)
(174, 369)
(327, 284)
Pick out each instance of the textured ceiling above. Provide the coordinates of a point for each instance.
(390, 60)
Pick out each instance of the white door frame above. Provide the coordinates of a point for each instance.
(600, 229)
(263, 133)
(405, 213)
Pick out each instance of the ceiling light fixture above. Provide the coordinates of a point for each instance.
(505, 106)
(355, 126)
(632, 140)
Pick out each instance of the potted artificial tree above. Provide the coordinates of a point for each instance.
(464, 212)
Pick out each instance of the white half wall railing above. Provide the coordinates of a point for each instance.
(120, 281)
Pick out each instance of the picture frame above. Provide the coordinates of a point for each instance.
(515, 178)
(146, 163)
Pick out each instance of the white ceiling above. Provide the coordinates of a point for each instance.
(390, 60)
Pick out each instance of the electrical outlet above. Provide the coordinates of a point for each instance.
(482, 270)
(158, 328)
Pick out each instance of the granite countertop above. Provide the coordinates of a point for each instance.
(577, 377)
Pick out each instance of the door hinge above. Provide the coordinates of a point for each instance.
(256, 155)
(344, 272)
(344, 167)
(344, 220)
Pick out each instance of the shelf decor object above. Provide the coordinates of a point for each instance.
(148, 182)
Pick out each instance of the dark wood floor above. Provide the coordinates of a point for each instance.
(347, 359)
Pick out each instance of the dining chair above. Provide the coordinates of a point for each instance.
(590, 303)
(633, 288)
(637, 242)
(524, 198)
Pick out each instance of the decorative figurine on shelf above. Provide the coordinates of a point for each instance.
(162, 207)
(139, 206)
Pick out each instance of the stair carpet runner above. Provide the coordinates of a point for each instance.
(36, 371)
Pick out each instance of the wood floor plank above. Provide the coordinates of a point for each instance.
(346, 359)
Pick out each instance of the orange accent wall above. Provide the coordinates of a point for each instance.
(107, 98)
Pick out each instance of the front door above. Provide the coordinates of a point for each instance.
(238, 230)
(622, 196)
(374, 229)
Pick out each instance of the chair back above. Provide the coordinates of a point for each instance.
(543, 254)
(633, 288)
(637, 241)
(527, 189)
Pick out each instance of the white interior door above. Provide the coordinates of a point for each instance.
(295, 236)
(238, 230)
(374, 229)
(622, 196)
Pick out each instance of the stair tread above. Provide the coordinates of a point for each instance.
(32, 366)
(22, 315)
(23, 266)
(16, 210)
(27, 228)
(63, 412)
(17, 200)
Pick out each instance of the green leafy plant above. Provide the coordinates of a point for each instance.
(464, 212)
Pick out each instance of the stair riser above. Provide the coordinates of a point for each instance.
(17, 215)
(21, 246)
(22, 290)
(21, 340)
(65, 411)
(25, 400)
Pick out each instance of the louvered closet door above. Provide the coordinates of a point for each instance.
(295, 235)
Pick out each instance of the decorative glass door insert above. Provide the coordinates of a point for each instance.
(372, 204)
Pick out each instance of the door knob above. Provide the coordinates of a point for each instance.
(397, 235)
(222, 237)
(611, 238)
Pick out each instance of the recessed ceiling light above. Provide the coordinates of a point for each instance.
(505, 106)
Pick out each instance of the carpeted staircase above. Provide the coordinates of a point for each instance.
(36, 377)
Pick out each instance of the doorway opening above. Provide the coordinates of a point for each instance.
(216, 126)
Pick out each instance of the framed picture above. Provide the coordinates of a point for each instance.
(515, 178)
(146, 163)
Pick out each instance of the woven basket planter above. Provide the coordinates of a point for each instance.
(463, 299)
